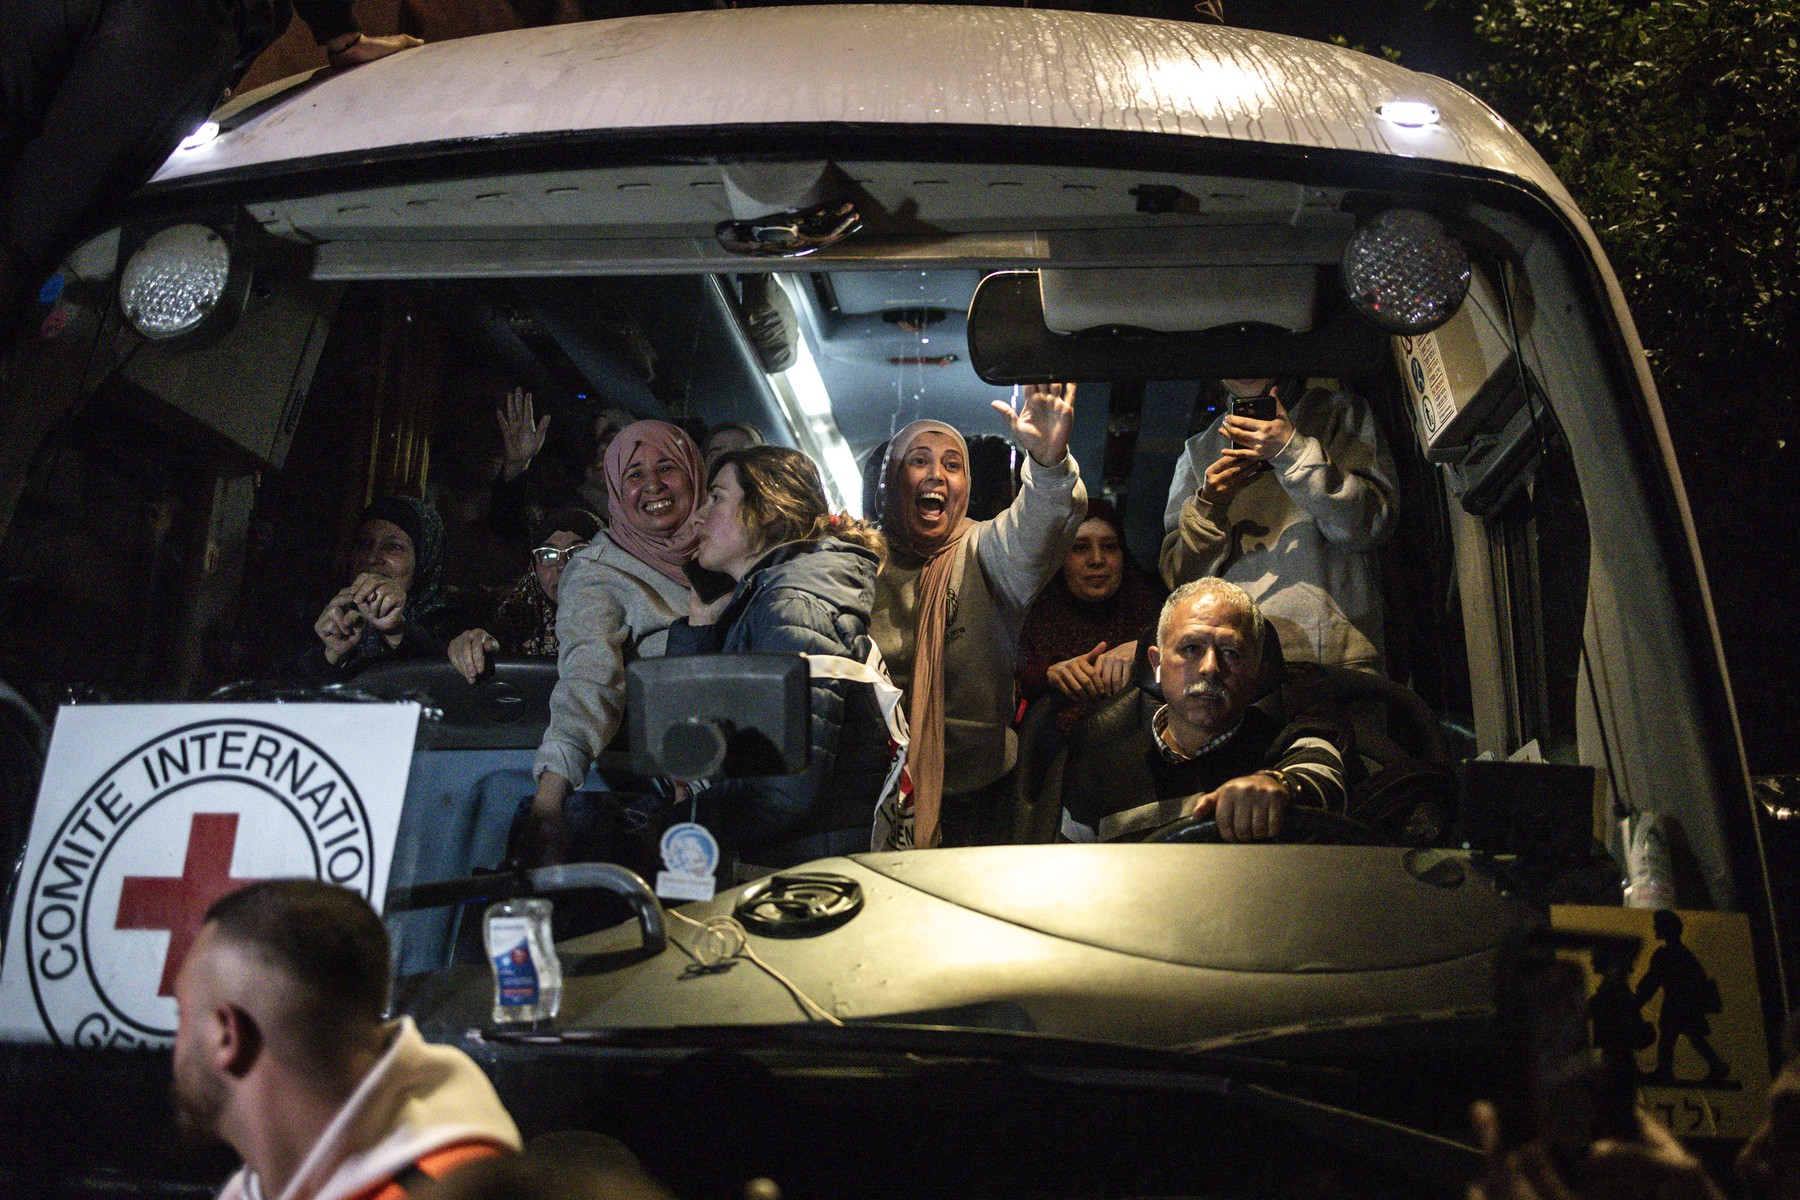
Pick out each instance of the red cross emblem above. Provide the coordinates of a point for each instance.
(178, 904)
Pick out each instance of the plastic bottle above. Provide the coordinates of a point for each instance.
(1649, 874)
(527, 973)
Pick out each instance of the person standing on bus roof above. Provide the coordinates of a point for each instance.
(952, 597)
(1290, 509)
(96, 94)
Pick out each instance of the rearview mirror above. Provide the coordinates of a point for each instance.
(1010, 343)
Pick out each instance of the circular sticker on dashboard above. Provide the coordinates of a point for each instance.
(174, 825)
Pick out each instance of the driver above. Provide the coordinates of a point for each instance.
(1206, 752)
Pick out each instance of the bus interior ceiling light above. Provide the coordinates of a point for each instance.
(175, 280)
(1409, 114)
(1404, 271)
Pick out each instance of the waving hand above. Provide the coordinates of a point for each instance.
(1044, 420)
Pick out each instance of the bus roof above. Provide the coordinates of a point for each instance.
(868, 64)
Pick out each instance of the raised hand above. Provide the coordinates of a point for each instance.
(521, 431)
(357, 49)
(1044, 420)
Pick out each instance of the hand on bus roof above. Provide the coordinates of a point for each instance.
(355, 49)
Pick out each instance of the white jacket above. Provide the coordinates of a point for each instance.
(1299, 538)
(417, 1098)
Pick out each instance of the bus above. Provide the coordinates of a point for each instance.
(823, 223)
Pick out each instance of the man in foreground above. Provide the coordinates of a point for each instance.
(1206, 752)
(281, 1052)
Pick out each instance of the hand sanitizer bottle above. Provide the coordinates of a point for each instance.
(527, 973)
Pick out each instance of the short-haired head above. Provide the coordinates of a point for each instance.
(330, 945)
(732, 435)
(1236, 599)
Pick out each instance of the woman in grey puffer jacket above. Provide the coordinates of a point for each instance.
(806, 580)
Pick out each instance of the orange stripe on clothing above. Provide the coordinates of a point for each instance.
(435, 1165)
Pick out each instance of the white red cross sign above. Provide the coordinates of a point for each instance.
(149, 813)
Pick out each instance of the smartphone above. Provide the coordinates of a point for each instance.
(1257, 408)
(1555, 1085)
(708, 585)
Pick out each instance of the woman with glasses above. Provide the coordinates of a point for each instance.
(524, 624)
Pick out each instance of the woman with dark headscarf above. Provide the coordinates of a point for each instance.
(1099, 601)
(616, 602)
(524, 624)
(949, 603)
(392, 607)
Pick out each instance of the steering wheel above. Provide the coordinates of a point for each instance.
(1300, 826)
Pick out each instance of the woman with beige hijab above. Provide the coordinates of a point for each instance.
(952, 597)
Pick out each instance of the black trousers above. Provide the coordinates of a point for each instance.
(94, 95)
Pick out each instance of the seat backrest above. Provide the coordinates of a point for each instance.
(1391, 724)
(506, 709)
(1037, 777)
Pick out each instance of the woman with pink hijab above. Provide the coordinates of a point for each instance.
(950, 602)
(616, 601)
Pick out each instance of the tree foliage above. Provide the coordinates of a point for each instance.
(1674, 123)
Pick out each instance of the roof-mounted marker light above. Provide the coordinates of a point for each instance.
(1408, 114)
(175, 280)
(1405, 272)
(207, 132)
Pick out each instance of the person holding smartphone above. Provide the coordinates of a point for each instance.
(1287, 494)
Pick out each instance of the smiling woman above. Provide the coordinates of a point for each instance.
(1098, 602)
(950, 644)
(616, 602)
(385, 611)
